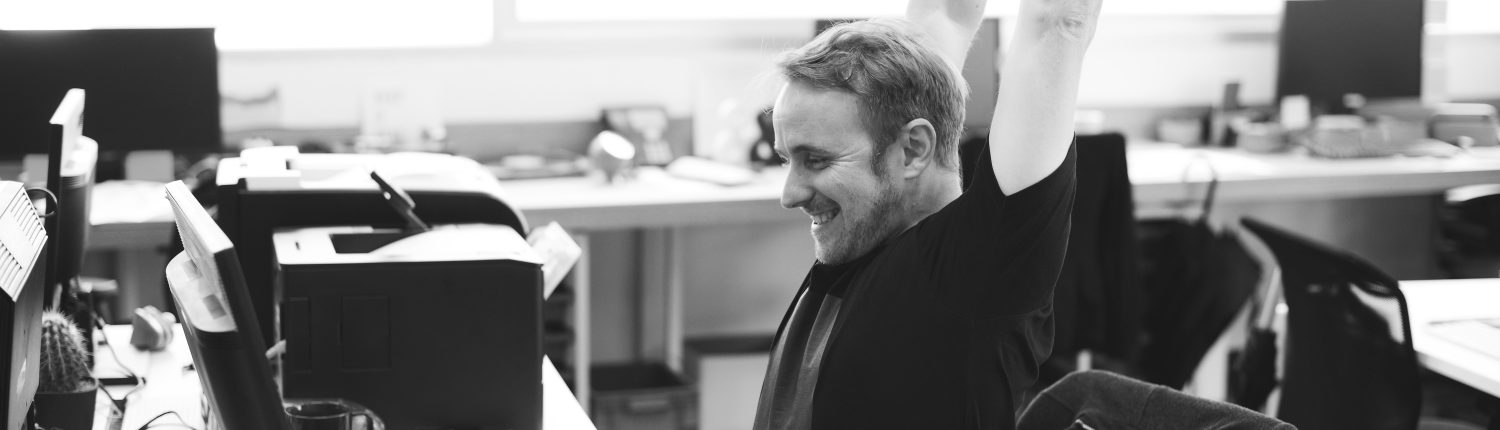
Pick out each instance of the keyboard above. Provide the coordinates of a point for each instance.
(1481, 335)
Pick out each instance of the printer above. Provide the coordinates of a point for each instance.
(407, 333)
(436, 329)
(268, 188)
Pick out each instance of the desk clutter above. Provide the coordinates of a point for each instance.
(1356, 128)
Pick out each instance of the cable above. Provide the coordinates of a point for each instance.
(104, 341)
(51, 200)
(180, 422)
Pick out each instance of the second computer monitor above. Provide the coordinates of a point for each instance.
(1335, 47)
(70, 179)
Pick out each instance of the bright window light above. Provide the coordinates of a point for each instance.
(1473, 16)
(684, 10)
(260, 25)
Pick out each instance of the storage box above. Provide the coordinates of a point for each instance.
(729, 371)
(643, 396)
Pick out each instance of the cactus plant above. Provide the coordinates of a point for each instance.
(64, 366)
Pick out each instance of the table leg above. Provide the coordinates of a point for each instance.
(581, 312)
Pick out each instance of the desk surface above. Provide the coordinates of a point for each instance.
(1440, 300)
(170, 388)
(1163, 176)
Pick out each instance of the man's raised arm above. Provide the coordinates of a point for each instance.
(1033, 122)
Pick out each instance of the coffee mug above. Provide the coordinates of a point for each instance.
(331, 414)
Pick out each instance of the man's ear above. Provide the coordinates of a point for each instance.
(918, 147)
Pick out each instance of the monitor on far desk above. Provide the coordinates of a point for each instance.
(1332, 48)
(150, 90)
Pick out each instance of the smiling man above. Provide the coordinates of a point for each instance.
(929, 306)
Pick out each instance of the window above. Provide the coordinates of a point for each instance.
(256, 25)
(683, 10)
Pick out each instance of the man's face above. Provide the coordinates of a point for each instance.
(831, 176)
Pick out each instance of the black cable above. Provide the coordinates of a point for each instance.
(104, 341)
(180, 422)
(52, 200)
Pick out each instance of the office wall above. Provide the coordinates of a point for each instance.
(1139, 68)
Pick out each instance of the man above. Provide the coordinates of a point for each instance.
(929, 306)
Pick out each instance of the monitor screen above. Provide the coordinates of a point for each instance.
(981, 71)
(148, 88)
(1330, 48)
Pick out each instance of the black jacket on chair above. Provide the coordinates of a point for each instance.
(1098, 301)
(1101, 400)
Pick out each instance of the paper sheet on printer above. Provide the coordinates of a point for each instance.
(463, 241)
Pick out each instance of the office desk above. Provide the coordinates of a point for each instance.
(171, 388)
(1162, 176)
(1167, 180)
(1451, 299)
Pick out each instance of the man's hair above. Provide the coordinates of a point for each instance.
(896, 75)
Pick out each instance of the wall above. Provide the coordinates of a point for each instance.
(717, 74)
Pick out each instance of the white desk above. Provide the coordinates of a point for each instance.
(1440, 300)
(170, 388)
(1166, 179)
(1161, 175)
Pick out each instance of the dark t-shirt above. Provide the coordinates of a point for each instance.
(942, 326)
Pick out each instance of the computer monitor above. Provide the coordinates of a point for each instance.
(223, 332)
(23, 241)
(981, 71)
(149, 89)
(1330, 48)
(70, 178)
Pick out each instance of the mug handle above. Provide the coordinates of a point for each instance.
(369, 421)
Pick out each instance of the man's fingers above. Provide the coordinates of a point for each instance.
(1067, 19)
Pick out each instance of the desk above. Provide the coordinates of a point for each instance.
(1451, 299)
(1166, 178)
(170, 388)
(1162, 175)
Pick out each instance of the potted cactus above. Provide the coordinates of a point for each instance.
(66, 391)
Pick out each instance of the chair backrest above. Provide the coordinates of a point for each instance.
(1102, 400)
(1349, 358)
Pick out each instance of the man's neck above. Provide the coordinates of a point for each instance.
(930, 193)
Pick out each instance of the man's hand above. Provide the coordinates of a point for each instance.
(1033, 124)
(950, 23)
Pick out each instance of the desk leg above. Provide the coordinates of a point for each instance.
(581, 312)
(138, 274)
(674, 299)
(661, 297)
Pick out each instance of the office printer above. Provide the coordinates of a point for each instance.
(432, 329)
(276, 187)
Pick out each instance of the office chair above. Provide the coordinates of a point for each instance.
(1102, 400)
(1349, 358)
(1469, 221)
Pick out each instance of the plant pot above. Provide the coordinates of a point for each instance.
(67, 411)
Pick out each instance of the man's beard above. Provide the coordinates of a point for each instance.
(862, 234)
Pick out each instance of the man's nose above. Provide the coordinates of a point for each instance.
(795, 193)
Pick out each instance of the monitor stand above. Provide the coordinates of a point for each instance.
(154, 165)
